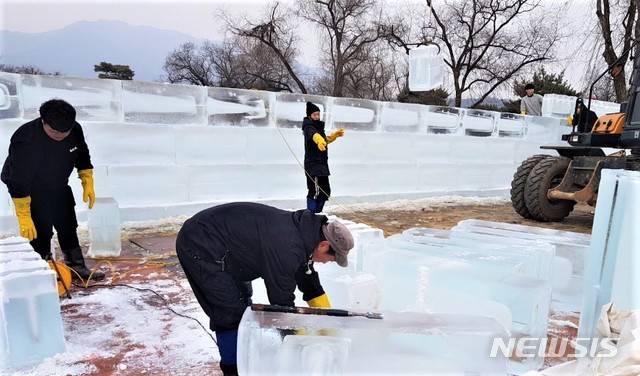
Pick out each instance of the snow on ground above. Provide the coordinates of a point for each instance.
(154, 336)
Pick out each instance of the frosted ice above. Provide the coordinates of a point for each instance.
(614, 249)
(571, 246)
(408, 342)
(104, 228)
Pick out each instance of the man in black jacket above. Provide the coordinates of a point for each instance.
(222, 249)
(583, 118)
(42, 155)
(316, 158)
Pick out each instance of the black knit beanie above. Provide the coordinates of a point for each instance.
(311, 108)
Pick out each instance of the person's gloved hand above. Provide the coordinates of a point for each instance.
(321, 301)
(335, 134)
(23, 212)
(570, 120)
(523, 112)
(88, 194)
(318, 139)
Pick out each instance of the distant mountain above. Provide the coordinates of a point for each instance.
(75, 49)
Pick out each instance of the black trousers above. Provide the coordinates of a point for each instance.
(318, 187)
(221, 297)
(54, 209)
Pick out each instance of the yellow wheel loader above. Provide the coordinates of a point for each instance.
(546, 188)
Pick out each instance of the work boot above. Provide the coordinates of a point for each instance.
(74, 260)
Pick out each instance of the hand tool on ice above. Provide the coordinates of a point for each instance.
(315, 311)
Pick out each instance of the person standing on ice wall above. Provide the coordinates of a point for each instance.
(223, 248)
(531, 103)
(316, 158)
(42, 155)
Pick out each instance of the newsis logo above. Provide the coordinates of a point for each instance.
(528, 347)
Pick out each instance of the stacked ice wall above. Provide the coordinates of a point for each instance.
(30, 321)
(161, 150)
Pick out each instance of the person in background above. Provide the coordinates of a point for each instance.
(531, 103)
(316, 158)
(42, 155)
(223, 248)
(583, 118)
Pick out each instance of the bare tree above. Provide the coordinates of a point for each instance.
(485, 43)
(25, 69)
(192, 65)
(350, 28)
(618, 19)
(277, 34)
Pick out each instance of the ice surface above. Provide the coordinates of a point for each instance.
(478, 122)
(536, 257)
(355, 114)
(443, 119)
(475, 255)
(510, 125)
(570, 246)
(104, 228)
(239, 107)
(610, 275)
(94, 100)
(401, 343)
(401, 117)
(149, 103)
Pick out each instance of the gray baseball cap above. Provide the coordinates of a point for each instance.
(340, 239)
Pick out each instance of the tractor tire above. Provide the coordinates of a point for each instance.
(520, 181)
(547, 174)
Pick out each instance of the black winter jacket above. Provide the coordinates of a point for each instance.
(585, 120)
(36, 162)
(315, 161)
(261, 241)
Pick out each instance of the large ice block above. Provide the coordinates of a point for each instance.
(31, 327)
(570, 246)
(426, 68)
(272, 343)
(104, 228)
(447, 285)
(475, 254)
(537, 258)
(610, 273)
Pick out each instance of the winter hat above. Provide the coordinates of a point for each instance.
(530, 86)
(311, 108)
(340, 239)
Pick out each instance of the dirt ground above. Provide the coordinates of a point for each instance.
(395, 221)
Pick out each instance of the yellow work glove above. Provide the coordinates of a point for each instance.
(335, 134)
(322, 144)
(523, 112)
(23, 212)
(88, 194)
(321, 301)
(570, 120)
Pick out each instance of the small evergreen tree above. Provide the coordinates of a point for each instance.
(436, 97)
(114, 71)
(545, 83)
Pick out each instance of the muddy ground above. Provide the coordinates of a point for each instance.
(394, 221)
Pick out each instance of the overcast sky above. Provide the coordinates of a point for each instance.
(196, 18)
(191, 17)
